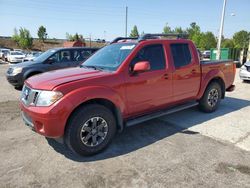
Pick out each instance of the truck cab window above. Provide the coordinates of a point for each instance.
(181, 54)
(154, 54)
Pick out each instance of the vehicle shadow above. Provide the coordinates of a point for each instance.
(147, 133)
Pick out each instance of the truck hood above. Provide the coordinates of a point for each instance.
(49, 80)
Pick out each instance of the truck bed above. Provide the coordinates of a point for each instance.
(227, 68)
(205, 62)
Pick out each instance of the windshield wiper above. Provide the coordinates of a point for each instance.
(91, 66)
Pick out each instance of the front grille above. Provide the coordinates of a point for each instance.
(10, 70)
(29, 96)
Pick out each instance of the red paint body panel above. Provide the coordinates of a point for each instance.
(49, 121)
(133, 95)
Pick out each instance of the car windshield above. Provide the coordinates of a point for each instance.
(37, 54)
(16, 53)
(45, 55)
(110, 57)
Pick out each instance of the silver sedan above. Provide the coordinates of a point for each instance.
(245, 71)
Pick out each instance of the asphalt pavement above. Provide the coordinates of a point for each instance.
(186, 149)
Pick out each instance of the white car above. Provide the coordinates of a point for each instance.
(4, 53)
(245, 71)
(31, 56)
(15, 57)
(206, 54)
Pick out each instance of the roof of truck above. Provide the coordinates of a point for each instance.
(150, 37)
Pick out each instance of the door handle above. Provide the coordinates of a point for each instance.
(193, 71)
(166, 76)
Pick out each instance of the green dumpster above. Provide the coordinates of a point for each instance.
(224, 53)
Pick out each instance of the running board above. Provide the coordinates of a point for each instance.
(160, 113)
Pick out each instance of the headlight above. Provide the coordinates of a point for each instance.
(243, 67)
(46, 98)
(17, 70)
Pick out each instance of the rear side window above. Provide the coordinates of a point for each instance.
(80, 55)
(181, 54)
(154, 54)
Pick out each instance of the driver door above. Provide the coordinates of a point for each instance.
(149, 90)
(60, 60)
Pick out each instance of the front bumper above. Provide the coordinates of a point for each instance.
(15, 80)
(48, 121)
(244, 75)
(15, 60)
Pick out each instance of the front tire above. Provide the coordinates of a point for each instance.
(90, 129)
(211, 98)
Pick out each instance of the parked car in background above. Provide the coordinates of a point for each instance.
(206, 54)
(17, 50)
(123, 84)
(15, 57)
(4, 54)
(200, 54)
(31, 56)
(245, 71)
(57, 58)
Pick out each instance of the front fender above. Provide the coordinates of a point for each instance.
(81, 95)
(206, 79)
(29, 71)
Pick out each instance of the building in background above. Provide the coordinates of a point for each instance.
(74, 44)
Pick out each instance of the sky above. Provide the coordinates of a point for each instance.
(106, 18)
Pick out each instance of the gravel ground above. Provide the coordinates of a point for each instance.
(186, 149)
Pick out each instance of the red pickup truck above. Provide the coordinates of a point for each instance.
(125, 83)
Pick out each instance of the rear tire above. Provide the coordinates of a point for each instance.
(90, 129)
(211, 98)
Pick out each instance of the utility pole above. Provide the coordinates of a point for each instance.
(221, 31)
(248, 53)
(126, 22)
(90, 40)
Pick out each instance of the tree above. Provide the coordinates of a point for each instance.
(179, 30)
(167, 29)
(207, 41)
(227, 43)
(74, 37)
(241, 39)
(194, 33)
(194, 29)
(134, 32)
(15, 36)
(42, 35)
(23, 38)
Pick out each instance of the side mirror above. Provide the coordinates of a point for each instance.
(141, 66)
(50, 60)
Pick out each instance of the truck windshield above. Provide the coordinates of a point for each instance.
(110, 57)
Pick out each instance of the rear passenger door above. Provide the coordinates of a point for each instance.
(186, 77)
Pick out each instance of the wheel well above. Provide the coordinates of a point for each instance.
(108, 104)
(32, 74)
(222, 84)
